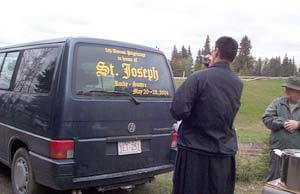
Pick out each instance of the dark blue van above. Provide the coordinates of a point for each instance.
(82, 112)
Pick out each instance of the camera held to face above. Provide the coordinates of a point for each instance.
(204, 60)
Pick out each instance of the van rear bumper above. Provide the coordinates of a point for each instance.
(59, 174)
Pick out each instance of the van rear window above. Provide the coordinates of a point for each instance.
(108, 68)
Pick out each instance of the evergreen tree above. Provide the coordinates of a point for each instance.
(198, 64)
(207, 47)
(186, 61)
(266, 70)
(189, 51)
(275, 67)
(288, 67)
(184, 52)
(294, 62)
(189, 62)
(175, 62)
(182, 62)
(285, 67)
(174, 52)
(295, 66)
(243, 63)
(258, 67)
(174, 56)
(188, 65)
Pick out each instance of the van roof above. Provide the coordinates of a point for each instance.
(41, 42)
(82, 39)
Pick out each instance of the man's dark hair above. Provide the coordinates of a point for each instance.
(227, 47)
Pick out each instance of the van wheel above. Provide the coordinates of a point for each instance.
(21, 174)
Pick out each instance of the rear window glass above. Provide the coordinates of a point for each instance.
(107, 68)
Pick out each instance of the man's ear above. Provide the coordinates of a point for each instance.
(217, 52)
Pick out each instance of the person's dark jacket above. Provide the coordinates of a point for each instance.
(207, 103)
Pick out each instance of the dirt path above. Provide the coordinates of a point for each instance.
(253, 149)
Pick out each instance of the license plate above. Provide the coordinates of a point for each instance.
(130, 147)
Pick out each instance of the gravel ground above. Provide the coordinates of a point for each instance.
(5, 186)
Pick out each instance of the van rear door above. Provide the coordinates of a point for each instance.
(119, 112)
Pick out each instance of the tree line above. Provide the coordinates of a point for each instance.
(183, 64)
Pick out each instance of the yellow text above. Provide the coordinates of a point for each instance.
(140, 72)
(103, 70)
(121, 84)
(139, 85)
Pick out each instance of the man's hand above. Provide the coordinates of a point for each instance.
(291, 125)
(210, 58)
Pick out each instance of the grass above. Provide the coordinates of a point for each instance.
(257, 135)
(163, 185)
(178, 82)
(251, 170)
(257, 95)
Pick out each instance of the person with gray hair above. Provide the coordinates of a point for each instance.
(282, 117)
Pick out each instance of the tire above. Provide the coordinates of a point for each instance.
(22, 177)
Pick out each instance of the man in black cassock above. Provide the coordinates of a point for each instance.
(207, 103)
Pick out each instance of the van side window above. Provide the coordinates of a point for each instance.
(36, 70)
(7, 69)
(2, 55)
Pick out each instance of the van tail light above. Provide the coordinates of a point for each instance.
(174, 140)
(61, 149)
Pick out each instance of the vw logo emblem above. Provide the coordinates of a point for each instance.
(131, 127)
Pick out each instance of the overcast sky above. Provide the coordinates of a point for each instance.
(272, 26)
